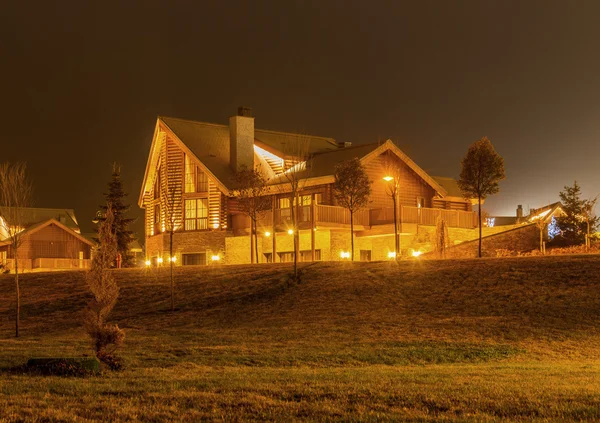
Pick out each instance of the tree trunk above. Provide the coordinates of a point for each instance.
(251, 241)
(255, 242)
(352, 234)
(396, 244)
(171, 270)
(480, 229)
(18, 316)
(293, 210)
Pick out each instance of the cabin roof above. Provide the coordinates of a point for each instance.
(209, 143)
(40, 225)
(35, 215)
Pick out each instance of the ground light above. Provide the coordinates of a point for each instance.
(148, 262)
(388, 178)
(345, 254)
(267, 233)
(291, 231)
(416, 253)
(159, 260)
(215, 258)
(392, 254)
(174, 259)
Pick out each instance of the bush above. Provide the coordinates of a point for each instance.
(575, 249)
(64, 366)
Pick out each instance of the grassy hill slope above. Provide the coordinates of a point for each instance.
(544, 305)
(427, 340)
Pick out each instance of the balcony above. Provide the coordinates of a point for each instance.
(339, 216)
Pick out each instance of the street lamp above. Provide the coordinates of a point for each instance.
(392, 190)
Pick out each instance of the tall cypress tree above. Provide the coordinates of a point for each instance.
(115, 198)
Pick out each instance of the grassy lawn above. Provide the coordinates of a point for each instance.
(462, 340)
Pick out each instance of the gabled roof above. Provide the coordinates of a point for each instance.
(546, 212)
(450, 185)
(322, 166)
(34, 215)
(38, 226)
(209, 143)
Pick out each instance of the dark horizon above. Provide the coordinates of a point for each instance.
(83, 85)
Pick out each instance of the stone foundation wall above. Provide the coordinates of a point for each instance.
(331, 242)
(520, 239)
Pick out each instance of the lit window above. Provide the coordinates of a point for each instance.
(195, 179)
(196, 214)
(190, 175)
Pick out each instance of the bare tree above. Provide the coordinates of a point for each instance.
(482, 169)
(392, 178)
(15, 196)
(251, 191)
(540, 223)
(352, 190)
(105, 291)
(297, 153)
(170, 215)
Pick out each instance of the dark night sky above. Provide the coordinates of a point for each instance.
(82, 84)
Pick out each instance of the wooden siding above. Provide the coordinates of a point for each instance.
(171, 170)
(51, 242)
(412, 186)
(441, 203)
(172, 183)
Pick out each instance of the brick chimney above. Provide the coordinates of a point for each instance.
(519, 212)
(241, 139)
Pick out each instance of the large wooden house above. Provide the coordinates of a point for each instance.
(50, 239)
(188, 186)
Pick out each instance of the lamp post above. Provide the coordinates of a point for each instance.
(392, 190)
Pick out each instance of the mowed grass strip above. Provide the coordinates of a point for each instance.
(424, 340)
(486, 392)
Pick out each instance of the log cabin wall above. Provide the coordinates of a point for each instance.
(51, 242)
(172, 183)
(441, 203)
(171, 176)
(412, 186)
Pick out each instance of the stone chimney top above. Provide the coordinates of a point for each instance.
(241, 136)
(519, 211)
(244, 111)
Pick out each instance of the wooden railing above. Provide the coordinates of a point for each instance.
(425, 216)
(333, 214)
(366, 217)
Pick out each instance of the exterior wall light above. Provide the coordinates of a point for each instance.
(215, 258)
(267, 233)
(388, 178)
(392, 254)
(291, 231)
(345, 254)
(174, 259)
(148, 262)
(216, 226)
(159, 260)
(416, 253)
